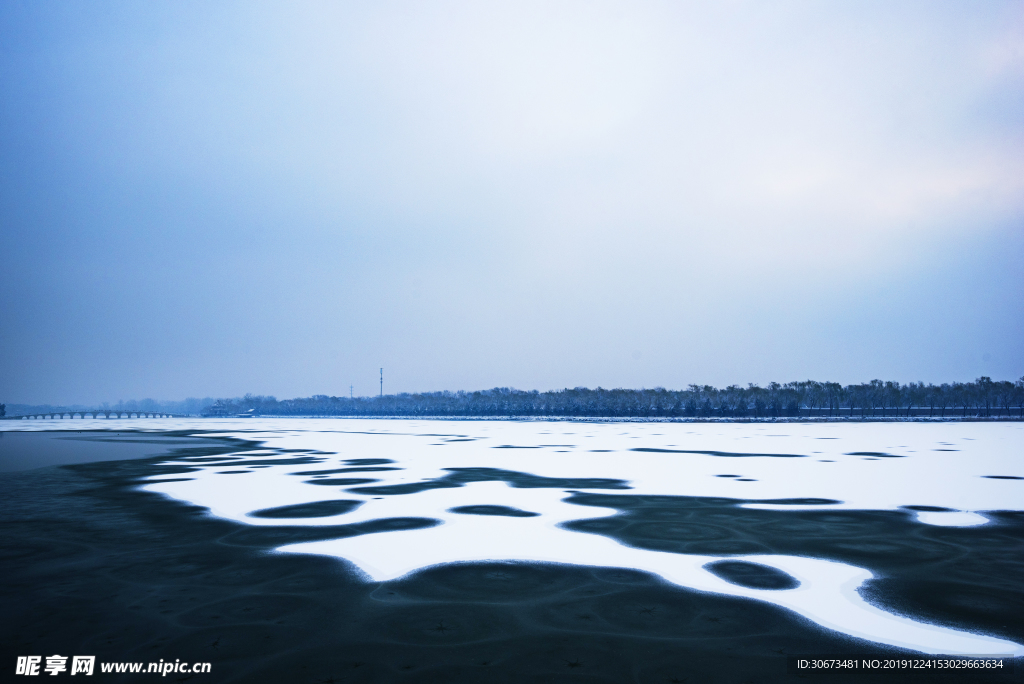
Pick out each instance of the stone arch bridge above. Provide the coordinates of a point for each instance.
(95, 413)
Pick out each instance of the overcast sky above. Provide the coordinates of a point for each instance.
(213, 198)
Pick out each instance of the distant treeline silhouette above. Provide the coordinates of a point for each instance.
(191, 406)
(982, 398)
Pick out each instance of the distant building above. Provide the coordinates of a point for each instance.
(218, 410)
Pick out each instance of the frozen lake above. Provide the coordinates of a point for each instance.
(704, 506)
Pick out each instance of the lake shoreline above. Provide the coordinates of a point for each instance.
(586, 419)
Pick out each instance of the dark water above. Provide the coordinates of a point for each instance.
(28, 450)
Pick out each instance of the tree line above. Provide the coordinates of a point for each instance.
(983, 398)
(192, 406)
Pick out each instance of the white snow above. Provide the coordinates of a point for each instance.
(879, 466)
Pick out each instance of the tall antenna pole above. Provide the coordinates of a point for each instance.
(382, 382)
(350, 391)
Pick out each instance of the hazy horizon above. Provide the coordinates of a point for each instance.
(193, 404)
(210, 199)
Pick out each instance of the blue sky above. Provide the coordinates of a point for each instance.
(208, 199)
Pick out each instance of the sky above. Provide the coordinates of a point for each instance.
(214, 198)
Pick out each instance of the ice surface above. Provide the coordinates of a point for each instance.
(941, 471)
